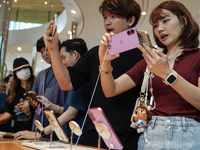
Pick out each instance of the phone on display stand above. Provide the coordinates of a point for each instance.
(97, 116)
(127, 40)
(56, 125)
(54, 25)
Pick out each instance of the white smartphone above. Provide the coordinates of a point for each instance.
(54, 25)
(97, 116)
(58, 129)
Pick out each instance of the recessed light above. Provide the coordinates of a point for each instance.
(18, 56)
(15, 1)
(52, 5)
(69, 32)
(42, 60)
(45, 3)
(144, 13)
(19, 48)
(73, 11)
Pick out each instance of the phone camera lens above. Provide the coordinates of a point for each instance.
(109, 46)
(132, 31)
(128, 32)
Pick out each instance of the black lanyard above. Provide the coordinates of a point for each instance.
(46, 85)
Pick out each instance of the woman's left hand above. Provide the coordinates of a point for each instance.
(25, 107)
(157, 62)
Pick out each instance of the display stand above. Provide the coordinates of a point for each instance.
(75, 128)
(38, 126)
(103, 131)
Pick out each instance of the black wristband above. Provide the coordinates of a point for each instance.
(43, 134)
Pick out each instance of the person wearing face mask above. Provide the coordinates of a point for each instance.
(23, 80)
(77, 101)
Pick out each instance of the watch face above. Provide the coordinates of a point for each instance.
(171, 79)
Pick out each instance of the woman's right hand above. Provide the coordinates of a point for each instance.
(44, 100)
(103, 49)
(28, 135)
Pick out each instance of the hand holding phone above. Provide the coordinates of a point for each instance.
(54, 25)
(127, 40)
(33, 95)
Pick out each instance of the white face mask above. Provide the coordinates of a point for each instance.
(24, 74)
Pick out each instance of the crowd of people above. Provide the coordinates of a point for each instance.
(67, 86)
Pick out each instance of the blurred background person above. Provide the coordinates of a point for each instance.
(3, 96)
(47, 86)
(77, 101)
(23, 80)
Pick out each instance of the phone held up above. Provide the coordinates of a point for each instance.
(127, 40)
(54, 25)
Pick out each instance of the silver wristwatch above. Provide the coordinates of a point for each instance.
(171, 78)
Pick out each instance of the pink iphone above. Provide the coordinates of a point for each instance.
(97, 116)
(127, 40)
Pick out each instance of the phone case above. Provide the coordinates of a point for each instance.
(144, 37)
(58, 130)
(97, 116)
(123, 41)
(8, 136)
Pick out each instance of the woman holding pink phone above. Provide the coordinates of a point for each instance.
(175, 120)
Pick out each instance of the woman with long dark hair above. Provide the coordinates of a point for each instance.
(23, 80)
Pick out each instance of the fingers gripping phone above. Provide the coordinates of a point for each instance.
(127, 40)
(144, 37)
(33, 95)
(54, 25)
(97, 116)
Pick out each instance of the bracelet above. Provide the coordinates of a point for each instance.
(58, 108)
(105, 72)
(42, 134)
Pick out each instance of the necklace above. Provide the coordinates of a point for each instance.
(169, 59)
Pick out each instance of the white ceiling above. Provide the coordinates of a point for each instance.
(93, 26)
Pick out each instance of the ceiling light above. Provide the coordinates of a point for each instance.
(15, 1)
(19, 48)
(69, 32)
(18, 56)
(52, 5)
(45, 3)
(41, 60)
(144, 13)
(73, 11)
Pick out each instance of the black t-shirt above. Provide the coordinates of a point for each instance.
(118, 109)
(22, 122)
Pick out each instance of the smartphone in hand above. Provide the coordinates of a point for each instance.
(127, 40)
(33, 95)
(54, 25)
(144, 37)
